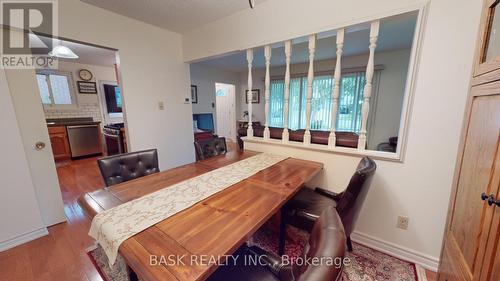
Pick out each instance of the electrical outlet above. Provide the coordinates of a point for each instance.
(161, 105)
(403, 222)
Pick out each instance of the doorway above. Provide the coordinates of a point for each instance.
(225, 112)
(60, 121)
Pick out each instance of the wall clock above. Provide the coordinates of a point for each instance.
(85, 74)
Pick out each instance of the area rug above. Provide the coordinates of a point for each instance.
(365, 264)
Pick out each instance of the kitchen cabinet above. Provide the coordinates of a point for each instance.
(59, 142)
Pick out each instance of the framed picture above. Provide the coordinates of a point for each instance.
(194, 94)
(85, 87)
(255, 96)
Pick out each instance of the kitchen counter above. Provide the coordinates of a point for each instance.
(71, 122)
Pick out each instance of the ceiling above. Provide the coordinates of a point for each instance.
(175, 15)
(86, 54)
(395, 33)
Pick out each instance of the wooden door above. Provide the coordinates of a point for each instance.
(470, 248)
(225, 118)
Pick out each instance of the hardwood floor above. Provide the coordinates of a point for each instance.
(62, 254)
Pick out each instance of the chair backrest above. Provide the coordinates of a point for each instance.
(128, 166)
(209, 148)
(353, 197)
(327, 245)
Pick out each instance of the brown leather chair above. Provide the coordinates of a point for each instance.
(210, 148)
(128, 166)
(304, 208)
(327, 240)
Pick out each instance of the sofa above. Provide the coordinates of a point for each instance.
(343, 139)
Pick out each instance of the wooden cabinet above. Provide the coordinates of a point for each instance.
(59, 142)
(472, 234)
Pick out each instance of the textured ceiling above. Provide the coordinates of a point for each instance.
(175, 15)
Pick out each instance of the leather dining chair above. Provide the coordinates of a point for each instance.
(327, 240)
(210, 148)
(304, 208)
(128, 166)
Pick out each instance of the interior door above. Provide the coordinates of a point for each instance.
(31, 121)
(224, 97)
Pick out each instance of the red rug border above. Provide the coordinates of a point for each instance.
(410, 262)
(414, 265)
(97, 267)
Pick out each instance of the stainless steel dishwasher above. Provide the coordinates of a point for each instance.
(84, 140)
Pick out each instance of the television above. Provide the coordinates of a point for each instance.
(204, 121)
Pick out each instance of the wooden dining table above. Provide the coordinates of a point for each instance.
(212, 228)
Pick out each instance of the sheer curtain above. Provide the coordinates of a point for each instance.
(350, 102)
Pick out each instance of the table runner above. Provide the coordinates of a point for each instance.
(111, 227)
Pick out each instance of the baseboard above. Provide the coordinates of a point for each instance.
(397, 251)
(23, 238)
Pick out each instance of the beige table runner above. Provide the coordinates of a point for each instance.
(111, 227)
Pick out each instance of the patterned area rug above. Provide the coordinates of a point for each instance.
(366, 264)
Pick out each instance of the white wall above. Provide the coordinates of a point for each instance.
(205, 77)
(88, 104)
(420, 186)
(152, 70)
(19, 214)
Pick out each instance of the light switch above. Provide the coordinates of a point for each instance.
(187, 100)
(161, 105)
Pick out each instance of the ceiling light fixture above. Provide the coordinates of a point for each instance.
(64, 52)
(252, 3)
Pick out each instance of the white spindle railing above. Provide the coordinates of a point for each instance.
(365, 109)
(267, 55)
(310, 80)
(249, 93)
(332, 139)
(288, 56)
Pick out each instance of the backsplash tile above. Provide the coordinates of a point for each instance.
(83, 110)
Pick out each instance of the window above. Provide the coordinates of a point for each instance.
(55, 88)
(350, 101)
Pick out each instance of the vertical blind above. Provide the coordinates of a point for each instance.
(350, 101)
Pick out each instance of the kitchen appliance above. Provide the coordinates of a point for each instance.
(84, 140)
(113, 137)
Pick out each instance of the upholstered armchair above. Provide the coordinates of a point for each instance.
(210, 148)
(327, 240)
(305, 207)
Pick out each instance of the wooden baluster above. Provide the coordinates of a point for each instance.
(310, 80)
(288, 55)
(267, 55)
(332, 139)
(365, 109)
(249, 93)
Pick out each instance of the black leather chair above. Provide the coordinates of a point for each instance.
(210, 148)
(327, 240)
(128, 166)
(304, 208)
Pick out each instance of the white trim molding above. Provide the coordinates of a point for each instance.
(423, 260)
(23, 238)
